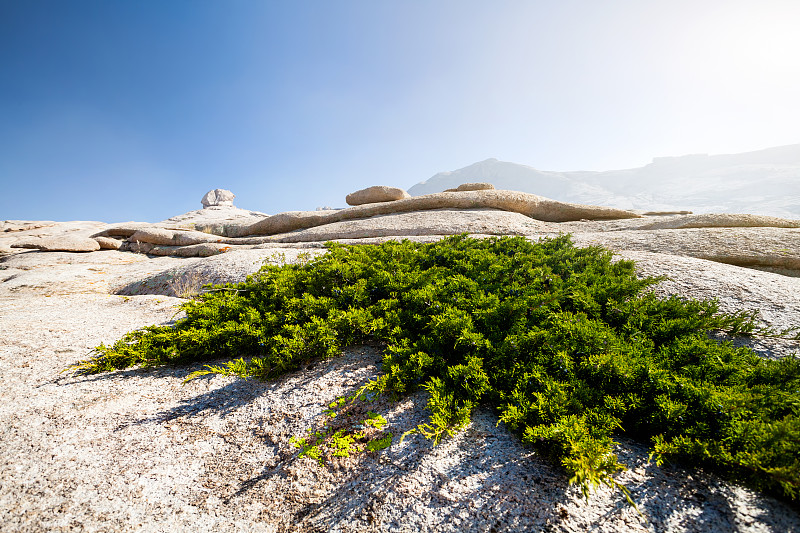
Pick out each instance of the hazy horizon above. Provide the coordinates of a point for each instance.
(132, 111)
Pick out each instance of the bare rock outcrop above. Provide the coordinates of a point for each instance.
(172, 237)
(422, 224)
(24, 225)
(376, 194)
(189, 276)
(62, 243)
(722, 220)
(123, 230)
(766, 248)
(205, 249)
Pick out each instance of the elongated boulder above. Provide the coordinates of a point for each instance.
(480, 186)
(531, 205)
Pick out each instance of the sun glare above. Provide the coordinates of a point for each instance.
(766, 43)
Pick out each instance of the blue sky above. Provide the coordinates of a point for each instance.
(131, 110)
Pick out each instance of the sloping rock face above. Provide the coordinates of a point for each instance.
(118, 437)
(771, 249)
(376, 194)
(189, 277)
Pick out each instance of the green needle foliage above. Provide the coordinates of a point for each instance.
(563, 342)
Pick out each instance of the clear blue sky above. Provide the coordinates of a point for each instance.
(131, 110)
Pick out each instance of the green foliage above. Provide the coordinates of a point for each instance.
(377, 445)
(354, 431)
(564, 343)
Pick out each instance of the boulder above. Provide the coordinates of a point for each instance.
(62, 243)
(376, 194)
(107, 243)
(218, 197)
(474, 187)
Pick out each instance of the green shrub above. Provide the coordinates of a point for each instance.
(564, 343)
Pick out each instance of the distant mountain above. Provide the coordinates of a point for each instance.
(763, 182)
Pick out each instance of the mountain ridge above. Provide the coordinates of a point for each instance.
(764, 181)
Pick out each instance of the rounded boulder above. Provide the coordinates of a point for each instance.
(376, 194)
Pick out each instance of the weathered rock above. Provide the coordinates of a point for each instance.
(661, 213)
(420, 224)
(170, 237)
(765, 248)
(531, 205)
(136, 247)
(376, 194)
(123, 230)
(63, 243)
(231, 267)
(480, 186)
(24, 225)
(218, 197)
(196, 250)
(107, 243)
(723, 220)
(212, 215)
